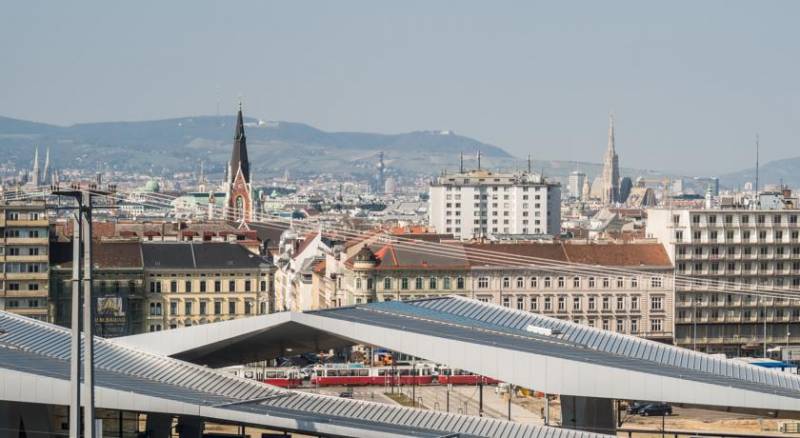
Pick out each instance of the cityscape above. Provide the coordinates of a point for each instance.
(180, 274)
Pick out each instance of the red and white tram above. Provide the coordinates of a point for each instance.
(356, 375)
(445, 376)
(285, 377)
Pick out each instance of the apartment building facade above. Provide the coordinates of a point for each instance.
(24, 273)
(480, 203)
(640, 305)
(118, 293)
(191, 283)
(743, 251)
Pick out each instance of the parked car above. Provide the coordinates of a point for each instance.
(634, 408)
(346, 394)
(655, 409)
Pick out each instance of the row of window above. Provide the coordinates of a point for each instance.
(189, 308)
(434, 283)
(15, 286)
(746, 235)
(19, 268)
(205, 286)
(29, 303)
(746, 251)
(576, 303)
(25, 233)
(24, 216)
(734, 313)
(729, 219)
(25, 251)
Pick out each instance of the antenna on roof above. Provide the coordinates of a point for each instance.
(529, 163)
(461, 160)
(479, 159)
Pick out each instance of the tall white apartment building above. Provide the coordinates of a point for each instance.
(744, 250)
(481, 203)
(575, 184)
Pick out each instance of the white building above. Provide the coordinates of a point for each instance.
(744, 250)
(480, 203)
(575, 184)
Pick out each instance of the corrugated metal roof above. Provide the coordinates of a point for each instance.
(461, 318)
(36, 347)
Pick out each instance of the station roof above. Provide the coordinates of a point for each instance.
(34, 365)
(523, 348)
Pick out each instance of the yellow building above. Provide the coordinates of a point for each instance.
(24, 258)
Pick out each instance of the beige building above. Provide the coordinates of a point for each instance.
(24, 263)
(641, 305)
(195, 283)
(742, 250)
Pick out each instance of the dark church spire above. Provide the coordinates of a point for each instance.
(239, 155)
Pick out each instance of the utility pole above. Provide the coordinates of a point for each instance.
(88, 317)
(82, 243)
(75, 336)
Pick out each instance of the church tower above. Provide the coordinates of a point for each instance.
(610, 168)
(239, 205)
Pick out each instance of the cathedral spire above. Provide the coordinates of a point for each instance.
(239, 156)
(46, 170)
(611, 133)
(35, 172)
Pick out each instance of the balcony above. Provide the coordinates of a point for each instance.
(27, 240)
(27, 276)
(26, 294)
(26, 258)
(27, 222)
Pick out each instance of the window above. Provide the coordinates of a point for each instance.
(231, 285)
(188, 285)
(217, 286)
(404, 283)
(173, 307)
(520, 283)
(606, 283)
(483, 282)
(620, 326)
(547, 283)
(591, 283)
(460, 283)
(620, 283)
(634, 303)
(232, 307)
(432, 283)
(506, 282)
(576, 303)
(173, 286)
(187, 308)
(247, 285)
(634, 282)
(561, 282)
(202, 285)
(605, 324)
(387, 283)
(534, 304)
(576, 282)
(155, 309)
(506, 301)
(562, 304)
(657, 303)
(606, 303)
(418, 283)
(620, 303)
(203, 305)
(547, 304)
(656, 325)
(634, 326)
(358, 283)
(446, 283)
(656, 282)
(248, 307)
(520, 303)
(592, 304)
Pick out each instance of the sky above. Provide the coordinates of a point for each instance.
(690, 83)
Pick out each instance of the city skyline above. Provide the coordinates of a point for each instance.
(703, 89)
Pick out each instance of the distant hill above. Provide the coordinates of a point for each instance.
(774, 172)
(165, 146)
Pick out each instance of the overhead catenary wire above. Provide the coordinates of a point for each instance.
(493, 257)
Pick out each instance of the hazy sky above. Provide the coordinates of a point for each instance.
(690, 82)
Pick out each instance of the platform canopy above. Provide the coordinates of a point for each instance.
(525, 349)
(34, 368)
